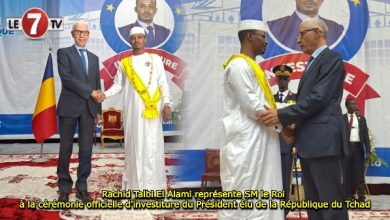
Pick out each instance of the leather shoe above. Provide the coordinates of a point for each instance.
(64, 197)
(83, 196)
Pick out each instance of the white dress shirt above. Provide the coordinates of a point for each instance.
(354, 136)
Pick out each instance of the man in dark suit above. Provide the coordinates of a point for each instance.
(155, 34)
(320, 132)
(304, 9)
(284, 97)
(354, 164)
(77, 105)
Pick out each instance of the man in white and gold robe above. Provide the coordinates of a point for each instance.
(146, 104)
(250, 156)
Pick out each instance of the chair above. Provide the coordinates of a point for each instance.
(112, 127)
(212, 168)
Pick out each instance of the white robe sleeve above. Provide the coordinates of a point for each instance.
(118, 82)
(243, 81)
(162, 82)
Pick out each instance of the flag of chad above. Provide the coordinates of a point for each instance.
(44, 122)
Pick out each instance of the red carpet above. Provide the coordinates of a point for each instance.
(22, 180)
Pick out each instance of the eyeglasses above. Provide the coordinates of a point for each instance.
(261, 35)
(302, 33)
(80, 32)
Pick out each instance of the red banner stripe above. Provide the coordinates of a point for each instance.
(44, 124)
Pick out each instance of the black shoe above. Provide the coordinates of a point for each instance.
(64, 197)
(83, 196)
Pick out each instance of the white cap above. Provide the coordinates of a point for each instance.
(137, 30)
(252, 25)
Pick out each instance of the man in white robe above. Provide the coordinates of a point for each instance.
(144, 111)
(250, 157)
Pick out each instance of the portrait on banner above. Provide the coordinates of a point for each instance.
(334, 13)
(155, 16)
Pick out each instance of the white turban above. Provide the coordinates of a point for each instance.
(137, 30)
(252, 25)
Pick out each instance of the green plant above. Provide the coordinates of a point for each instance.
(373, 156)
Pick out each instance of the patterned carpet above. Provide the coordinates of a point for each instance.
(22, 180)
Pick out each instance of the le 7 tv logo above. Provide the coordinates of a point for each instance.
(35, 23)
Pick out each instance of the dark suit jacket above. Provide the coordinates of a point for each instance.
(363, 133)
(320, 129)
(279, 26)
(161, 33)
(76, 85)
(284, 147)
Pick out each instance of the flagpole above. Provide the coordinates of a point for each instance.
(48, 71)
(296, 179)
(40, 159)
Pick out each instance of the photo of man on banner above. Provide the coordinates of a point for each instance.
(146, 11)
(304, 9)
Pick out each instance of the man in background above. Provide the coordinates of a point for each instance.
(155, 34)
(359, 145)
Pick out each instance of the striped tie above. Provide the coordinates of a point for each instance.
(83, 59)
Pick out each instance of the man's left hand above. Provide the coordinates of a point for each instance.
(269, 117)
(166, 113)
(288, 135)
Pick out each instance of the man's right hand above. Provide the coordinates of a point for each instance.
(98, 96)
(268, 117)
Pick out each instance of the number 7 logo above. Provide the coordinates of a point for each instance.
(36, 17)
(35, 23)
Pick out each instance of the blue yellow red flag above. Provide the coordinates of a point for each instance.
(44, 122)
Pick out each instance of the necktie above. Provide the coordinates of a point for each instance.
(309, 62)
(83, 59)
(350, 121)
(281, 97)
(150, 36)
(310, 59)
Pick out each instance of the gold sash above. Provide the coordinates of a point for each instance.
(150, 103)
(260, 76)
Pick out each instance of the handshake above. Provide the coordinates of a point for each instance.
(98, 96)
(270, 118)
(288, 133)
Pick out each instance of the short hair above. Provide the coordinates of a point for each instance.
(320, 24)
(79, 22)
(348, 100)
(136, 3)
(243, 33)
